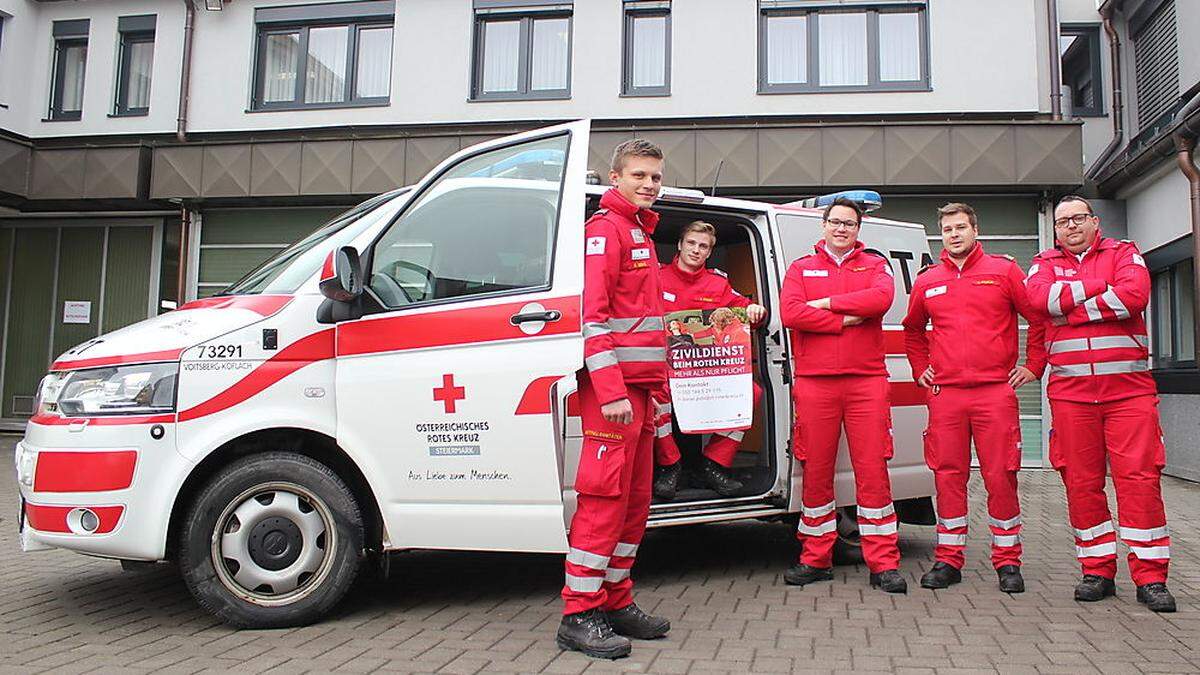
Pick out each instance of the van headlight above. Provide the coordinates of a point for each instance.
(26, 460)
(119, 390)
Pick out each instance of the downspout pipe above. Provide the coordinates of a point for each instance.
(185, 77)
(1118, 102)
(1187, 164)
(185, 230)
(1055, 61)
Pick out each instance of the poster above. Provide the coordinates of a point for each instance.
(77, 311)
(708, 363)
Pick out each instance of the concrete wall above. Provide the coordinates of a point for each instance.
(714, 67)
(1157, 207)
(1181, 427)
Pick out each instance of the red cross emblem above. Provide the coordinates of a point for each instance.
(448, 393)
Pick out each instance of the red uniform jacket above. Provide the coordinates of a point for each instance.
(624, 341)
(861, 286)
(1096, 335)
(706, 289)
(974, 312)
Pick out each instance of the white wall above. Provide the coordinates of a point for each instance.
(983, 60)
(28, 59)
(1157, 207)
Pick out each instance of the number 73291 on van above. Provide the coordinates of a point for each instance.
(403, 378)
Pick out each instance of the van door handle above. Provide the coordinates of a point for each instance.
(548, 315)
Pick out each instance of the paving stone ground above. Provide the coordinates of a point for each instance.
(720, 584)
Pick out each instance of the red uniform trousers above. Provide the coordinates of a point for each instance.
(988, 414)
(616, 467)
(722, 446)
(1126, 433)
(823, 405)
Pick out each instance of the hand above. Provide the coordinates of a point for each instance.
(1020, 376)
(850, 320)
(926, 378)
(822, 303)
(618, 412)
(755, 313)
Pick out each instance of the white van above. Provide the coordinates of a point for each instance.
(270, 438)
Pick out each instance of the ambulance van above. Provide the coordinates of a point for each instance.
(403, 379)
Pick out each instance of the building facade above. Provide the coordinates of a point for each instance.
(154, 152)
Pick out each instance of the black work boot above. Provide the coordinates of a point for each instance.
(889, 581)
(718, 478)
(631, 621)
(941, 575)
(1092, 588)
(1011, 580)
(589, 632)
(1156, 597)
(802, 575)
(666, 480)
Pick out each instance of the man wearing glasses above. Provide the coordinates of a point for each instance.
(834, 301)
(1104, 403)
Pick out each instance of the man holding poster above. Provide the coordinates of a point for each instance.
(708, 364)
(833, 300)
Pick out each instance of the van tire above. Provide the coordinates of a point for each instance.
(294, 506)
(847, 549)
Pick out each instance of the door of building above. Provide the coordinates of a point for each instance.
(63, 282)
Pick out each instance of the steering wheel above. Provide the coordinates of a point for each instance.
(386, 285)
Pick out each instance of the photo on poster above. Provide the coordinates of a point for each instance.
(708, 365)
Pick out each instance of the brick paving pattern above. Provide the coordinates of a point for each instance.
(720, 585)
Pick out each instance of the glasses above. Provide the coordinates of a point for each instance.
(835, 223)
(1078, 219)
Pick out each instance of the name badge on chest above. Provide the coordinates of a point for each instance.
(816, 273)
(639, 254)
(935, 291)
(639, 237)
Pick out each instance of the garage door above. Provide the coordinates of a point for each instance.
(233, 242)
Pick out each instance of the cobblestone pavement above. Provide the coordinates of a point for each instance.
(720, 584)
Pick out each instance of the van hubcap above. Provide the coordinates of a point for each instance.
(273, 544)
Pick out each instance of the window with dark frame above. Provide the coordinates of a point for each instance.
(1173, 311)
(70, 65)
(135, 63)
(646, 53)
(1155, 62)
(522, 50)
(1079, 48)
(324, 56)
(807, 47)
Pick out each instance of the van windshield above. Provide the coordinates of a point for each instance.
(296, 264)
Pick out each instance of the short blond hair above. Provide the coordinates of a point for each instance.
(699, 226)
(634, 147)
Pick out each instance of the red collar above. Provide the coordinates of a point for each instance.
(684, 275)
(972, 258)
(616, 202)
(819, 247)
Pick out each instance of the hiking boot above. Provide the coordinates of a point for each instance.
(1092, 588)
(802, 575)
(1011, 580)
(589, 632)
(631, 621)
(718, 478)
(1156, 597)
(666, 480)
(941, 575)
(889, 581)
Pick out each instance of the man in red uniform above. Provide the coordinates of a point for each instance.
(1094, 290)
(688, 284)
(625, 360)
(834, 300)
(971, 370)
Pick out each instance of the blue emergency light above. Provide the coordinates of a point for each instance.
(869, 200)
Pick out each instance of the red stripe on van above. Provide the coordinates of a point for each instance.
(473, 325)
(907, 394)
(84, 471)
(263, 305)
(105, 421)
(536, 399)
(306, 350)
(101, 361)
(54, 518)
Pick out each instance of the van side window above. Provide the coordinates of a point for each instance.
(484, 227)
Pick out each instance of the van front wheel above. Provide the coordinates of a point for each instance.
(273, 540)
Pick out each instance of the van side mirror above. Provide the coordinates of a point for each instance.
(341, 275)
